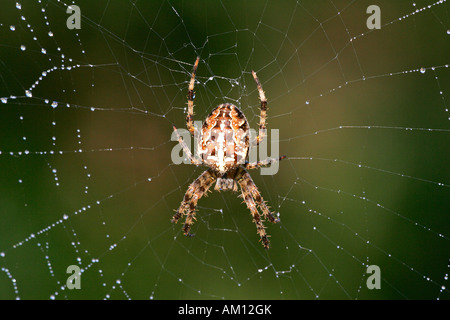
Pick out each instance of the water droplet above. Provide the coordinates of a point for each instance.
(54, 104)
(50, 34)
(422, 70)
(23, 48)
(44, 51)
(12, 28)
(4, 100)
(65, 217)
(28, 93)
(18, 6)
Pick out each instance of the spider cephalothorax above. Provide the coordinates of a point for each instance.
(223, 146)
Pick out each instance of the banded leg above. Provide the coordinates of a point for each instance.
(186, 149)
(263, 163)
(248, 183)
(250, 202)
(263, 115)
(190, 216)
(191, 96)
(194, 192)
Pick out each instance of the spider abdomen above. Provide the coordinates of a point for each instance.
(224, 138)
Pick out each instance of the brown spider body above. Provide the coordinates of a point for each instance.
(223, 147)
(225, 138)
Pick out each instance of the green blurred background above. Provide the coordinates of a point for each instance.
(91, 181)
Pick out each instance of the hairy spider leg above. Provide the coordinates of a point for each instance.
(262, 163)
(250, 202)
(251, 186)
(191, 96)
(186, 149)
(250, 194)
(195, 191)
(263, 115)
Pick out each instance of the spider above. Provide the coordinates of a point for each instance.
(223, 147)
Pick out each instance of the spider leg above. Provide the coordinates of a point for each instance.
(186, 149)
(191, 96)
(251, 186)
(247, 195)
(194, 192)
(263, 115)
(256, 217)
(263, 163)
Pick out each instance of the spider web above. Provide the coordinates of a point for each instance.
(86, 175)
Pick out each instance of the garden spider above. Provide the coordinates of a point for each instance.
(223, 146)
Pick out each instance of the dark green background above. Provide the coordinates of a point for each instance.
(135, 59)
